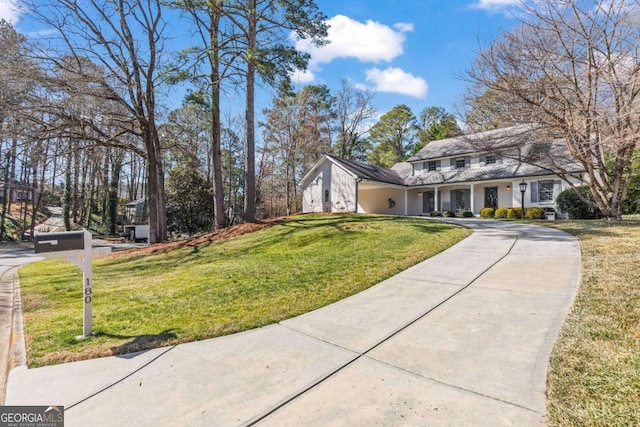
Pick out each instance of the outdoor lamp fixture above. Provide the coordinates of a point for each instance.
(523, 189)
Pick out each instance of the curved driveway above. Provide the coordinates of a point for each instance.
(461, 339)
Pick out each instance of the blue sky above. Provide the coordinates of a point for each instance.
(406, 51)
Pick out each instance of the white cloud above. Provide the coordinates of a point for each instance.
(404, 27)
(495, 5)
(395, 80)
(303, 76)
(368, 42)
(9, 11)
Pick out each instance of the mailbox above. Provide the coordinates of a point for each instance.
(59, 242)
(76, 247)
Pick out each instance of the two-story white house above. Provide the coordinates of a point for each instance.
(453, 174)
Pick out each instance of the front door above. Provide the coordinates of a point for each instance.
(491, 197)
(460, 200)
(428, 201)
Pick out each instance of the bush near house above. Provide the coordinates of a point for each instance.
(578, 203)
(514, 213)
(487, 213)
(466, 214)
(534, 213)
(501, 213)
(436, 213)
(449, 214)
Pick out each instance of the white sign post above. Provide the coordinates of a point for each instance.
(76, 247)
(83, 262)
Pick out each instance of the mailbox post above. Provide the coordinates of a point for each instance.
(76, 247)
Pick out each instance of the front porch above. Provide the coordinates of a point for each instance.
(463, 197)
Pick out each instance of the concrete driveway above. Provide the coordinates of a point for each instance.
(462, 339)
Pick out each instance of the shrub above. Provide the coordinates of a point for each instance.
(466, 214)
(501, 213)
(449, 214)
(534, 213)
(436, 213)
(578, 206)
(514, 213)
(487, 213)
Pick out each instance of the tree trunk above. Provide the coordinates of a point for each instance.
(155, 189)
(5, 198)
(218, 194)
(249, 148)
(76, 181)
(68, 195)
(112, 199)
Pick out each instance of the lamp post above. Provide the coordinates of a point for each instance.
(523, 189)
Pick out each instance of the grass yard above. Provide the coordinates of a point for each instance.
(594, 378)
(147, 301)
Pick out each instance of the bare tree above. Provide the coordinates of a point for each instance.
(572, 70)
(354, 117)
(123, 39)
(296, 134)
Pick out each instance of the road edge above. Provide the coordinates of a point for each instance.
(12, 345)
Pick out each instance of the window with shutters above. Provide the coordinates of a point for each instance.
(545, 191)
(460, 163)
(490, 160)
(432, 166)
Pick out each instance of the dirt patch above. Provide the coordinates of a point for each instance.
(201, 240)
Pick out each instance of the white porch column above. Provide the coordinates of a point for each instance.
(472, 197)
(436, 198)
(406, 202)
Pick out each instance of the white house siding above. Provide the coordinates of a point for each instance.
(505, 195)
(376, 200)
(414, 201)
(312, 197)
(343, 190)
(532, 184)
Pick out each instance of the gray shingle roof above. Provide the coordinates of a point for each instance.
(370, 172)
(517, 136)
(474, 143)
(486, 173)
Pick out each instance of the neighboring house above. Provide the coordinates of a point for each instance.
(136, 212)
(18, 191)
(453, 174)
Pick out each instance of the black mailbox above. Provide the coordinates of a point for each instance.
(58, 242)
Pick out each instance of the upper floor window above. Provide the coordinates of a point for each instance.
(460, 163)
(431, 166)
(490, 160)
(538, 152)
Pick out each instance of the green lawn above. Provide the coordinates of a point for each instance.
(594, 377)
(290, 268)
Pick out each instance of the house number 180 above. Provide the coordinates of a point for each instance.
(87, 293)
